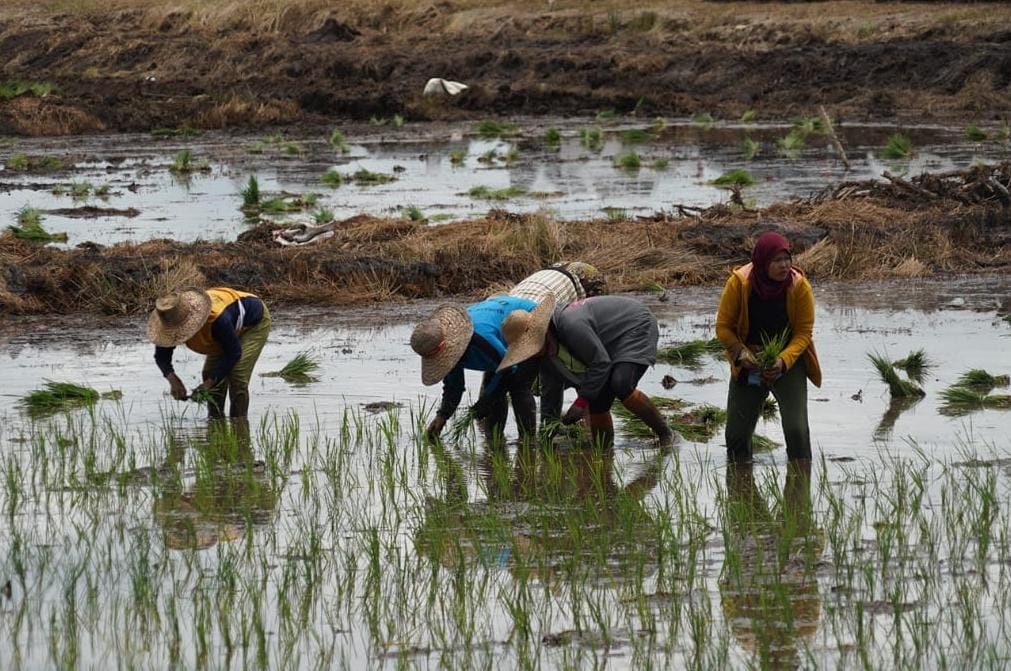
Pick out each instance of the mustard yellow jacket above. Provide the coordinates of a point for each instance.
(732, 321)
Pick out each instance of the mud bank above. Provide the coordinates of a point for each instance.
(131, 66)
(872, 230)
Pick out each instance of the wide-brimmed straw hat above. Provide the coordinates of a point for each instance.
(594, 282)
(441, 341)
(524, 332)
(178, 316)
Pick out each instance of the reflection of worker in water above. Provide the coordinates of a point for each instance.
(546, 510)
(768, 591)
(229, 490)
(603, 345)
(229, 326)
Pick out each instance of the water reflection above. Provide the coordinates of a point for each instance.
(557, 515)
(767, 589)
(224, 495)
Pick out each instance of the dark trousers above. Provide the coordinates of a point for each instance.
(744, 407)
(519, 386)
(620, 384)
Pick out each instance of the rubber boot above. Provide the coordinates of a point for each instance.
(601, 429)
(639, 405)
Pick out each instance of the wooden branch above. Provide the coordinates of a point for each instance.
(898, 181)
(833, 137)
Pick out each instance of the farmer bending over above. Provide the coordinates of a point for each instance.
(229, 326)
(602, 346)
(454, 339)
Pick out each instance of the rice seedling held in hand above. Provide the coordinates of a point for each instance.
(771, 348)
(981, 379)
(897, 387)
(299, 370)
(916, 364)
(734, 178)
(899, 147)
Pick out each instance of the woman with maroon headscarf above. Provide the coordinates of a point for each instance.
(761, 300)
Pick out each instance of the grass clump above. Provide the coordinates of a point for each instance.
(615, 213)
(979, 378)
(251, 193)
(457, 157)
(511, 156)
(80, 190)
(897, 387)
(322, 216)
(734, 178)
(748, 116)
(791, 145)
(487, 193)
(30, 228)
(490, 129)
(688, 353)
(916, 363)
(299, 370)
(592, 138)
(808, 125)
(339, 142)
(704, 119)
(26, 163)
(185, 164)
(332, 178)
(11, 90)
(635, 136)
(552, 137)
(749, 148)
(899, 147)
(414, 213)
(629, 161)
(363, 177)
(975, 134)
(488, 157)
(57, 396)
(660, 164)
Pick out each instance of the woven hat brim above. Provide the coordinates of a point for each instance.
(198, 306)
(532, 340)
(458, 329)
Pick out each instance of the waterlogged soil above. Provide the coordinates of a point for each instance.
(435, 167)
(470, 555)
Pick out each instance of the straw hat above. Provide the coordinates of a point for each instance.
(594, 282)
(177, 317)
(524, 332)
(441, 341)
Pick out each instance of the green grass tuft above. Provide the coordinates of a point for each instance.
(363, 177)
(749, 148)
(185, 164)
(749, 116)
(615, 213)
(975, 134)
(734, 178)
(791, 145)
(30, 228)
(629, 161)
(635, 136)
(552, 137)
(299, 370)
(457, 156)
(899, 147)
(660, 164)
(704, 119)
(979, 378)
(26, 163)
(487, 193)
(322, 216)
(916, 364)
(592, 138)
(489, 129)
(251, 193)
(414, 213)
(761, 443)
(338, 142)
(11, 90)
(57, 396)
(332, 178)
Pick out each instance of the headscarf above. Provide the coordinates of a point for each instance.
(766, 247)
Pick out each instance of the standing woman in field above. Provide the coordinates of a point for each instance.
(760, 301)
(229, 326)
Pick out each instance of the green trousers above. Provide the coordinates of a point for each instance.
(744, 407)
(236, 385)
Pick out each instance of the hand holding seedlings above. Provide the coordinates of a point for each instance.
(746, 360)
(435, 427)
(179, 392)
(772, 373)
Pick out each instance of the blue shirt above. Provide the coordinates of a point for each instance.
(485, 350)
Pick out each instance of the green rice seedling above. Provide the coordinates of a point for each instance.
(511, 156)
(332, 178)
(656, 288)
(293, 148)
(734, 178)
(322, 216)
(688, 353)
(916, 364)
(184, 164)
(615, 213)
(29, 216)
(182, 131)
(808, 125)
(769, 408)
(629, 161)
(339, 142)
(25, 163)
(771, 348)
(487, 193)
(761, 443)
(749, 148)
(103, 191)
(58, 190)
(660, 164)
(80, 190)
(488, 157)
(489, 129)
(699, 424)
(251, 194)
(457, 157)
(791, 145)
(899, 147)
(978, 378)
(897, 387)
(592, 138)
(964, 398)
(703, 119)
(200, 395)
(299, 370)
(398, 121)
(30, 228)
(56, 396)
(363, 177)
(658, 125)
(278, 205)
(748, 116)
(974, 133)
(552, 137)
(635, 136)
(11, 90)
(308, 199)
(378, 121)
(414, 213)
(607, 115)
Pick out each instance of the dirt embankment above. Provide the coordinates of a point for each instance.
(931, 225)
(139, 65)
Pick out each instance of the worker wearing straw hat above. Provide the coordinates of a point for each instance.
(228, 326)
(611, 340)
(453, 339)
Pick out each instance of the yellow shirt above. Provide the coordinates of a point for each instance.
(221, 298)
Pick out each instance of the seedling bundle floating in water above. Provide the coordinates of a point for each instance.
(981, 379)
(898, 387)
(688, 353)
(916, 363)
(299, 370)
(58, 396)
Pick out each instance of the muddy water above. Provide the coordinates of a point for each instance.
(571, 181)
(499, 522)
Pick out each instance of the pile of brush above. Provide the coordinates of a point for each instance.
(977, 185)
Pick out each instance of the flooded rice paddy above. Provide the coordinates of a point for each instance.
(437, 168)
(324, 534)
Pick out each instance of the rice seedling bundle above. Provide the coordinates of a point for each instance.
(489, 129)
(899, 146)
(979, 378)
(635, 136)
(734, 178)
(957, 397)
(771, 348)
(898, 387)
(57, 396)
(761, 443)
(298, 370)
(688, 353)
